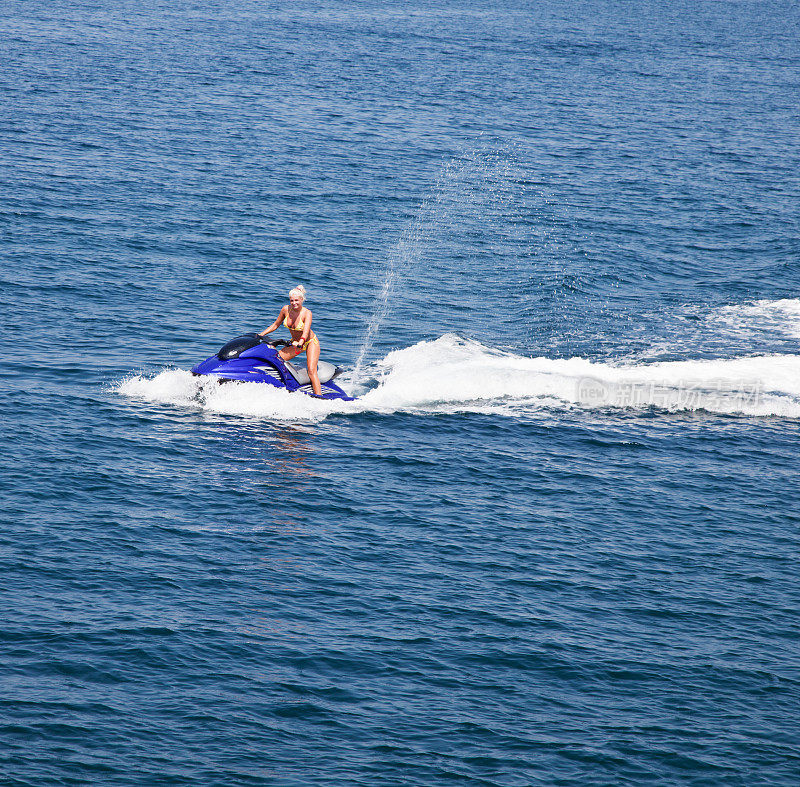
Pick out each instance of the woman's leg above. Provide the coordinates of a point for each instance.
(287, 353)
(312, 356)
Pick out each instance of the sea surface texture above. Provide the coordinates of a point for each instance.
(555, 539)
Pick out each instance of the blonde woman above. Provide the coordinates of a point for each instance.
(297, 319)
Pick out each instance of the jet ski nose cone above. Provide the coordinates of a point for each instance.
(235, 347)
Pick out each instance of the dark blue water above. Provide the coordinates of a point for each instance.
(555, 541)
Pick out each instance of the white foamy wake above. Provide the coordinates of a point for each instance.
(451, 375)
(180, 387)
(782, 316)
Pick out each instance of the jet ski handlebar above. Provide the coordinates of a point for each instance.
(280, 343)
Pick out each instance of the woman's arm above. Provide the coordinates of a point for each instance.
(306, 329)
(274, 325)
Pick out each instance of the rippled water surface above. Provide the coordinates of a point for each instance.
(555, 538)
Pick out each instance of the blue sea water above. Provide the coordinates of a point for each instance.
(555, 540)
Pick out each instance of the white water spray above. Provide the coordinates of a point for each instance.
(405, 253)
(452, 375)
(471, 197)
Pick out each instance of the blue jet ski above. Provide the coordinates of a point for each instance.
(252, 359)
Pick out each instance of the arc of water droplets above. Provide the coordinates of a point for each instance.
(479, 177)
(405, 251)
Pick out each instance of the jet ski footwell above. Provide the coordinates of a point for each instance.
(250, 359)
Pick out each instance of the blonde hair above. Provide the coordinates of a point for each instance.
(298, 290)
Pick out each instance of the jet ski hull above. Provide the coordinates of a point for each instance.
(248, 359)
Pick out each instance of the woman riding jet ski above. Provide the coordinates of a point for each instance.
(250, 358)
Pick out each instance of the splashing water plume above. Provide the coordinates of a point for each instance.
(475, 209)
(404, 251)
